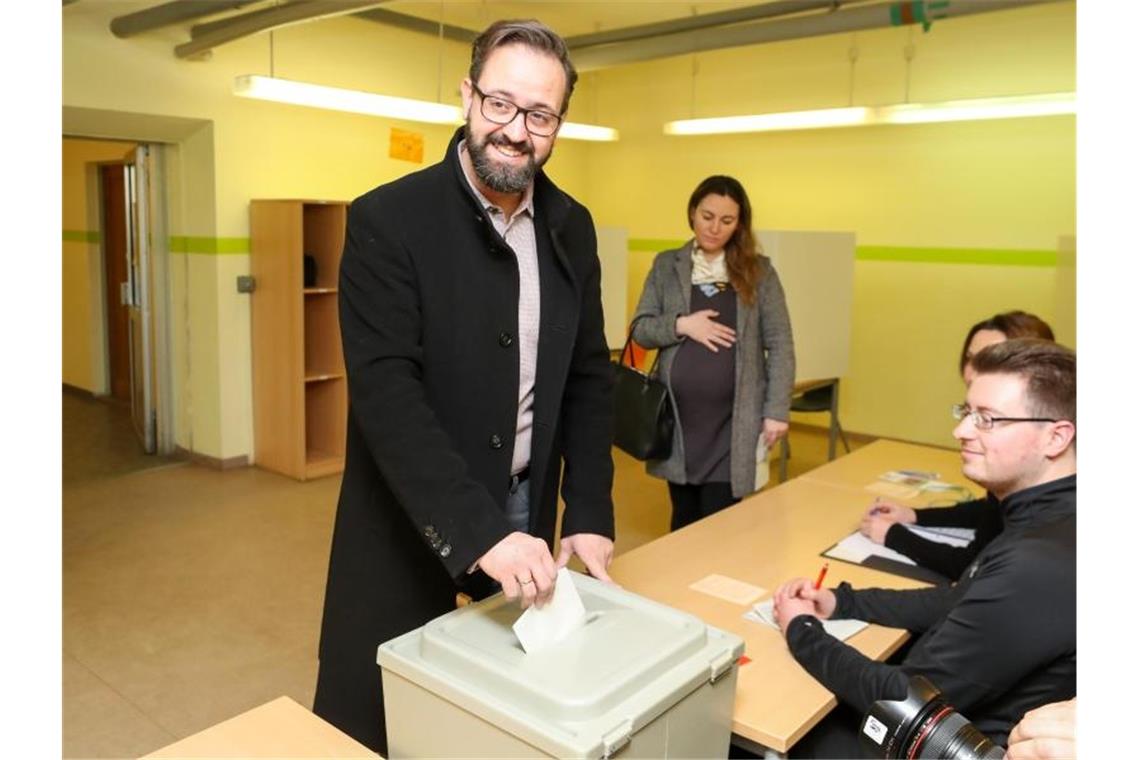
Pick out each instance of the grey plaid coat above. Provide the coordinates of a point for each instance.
(765, 359)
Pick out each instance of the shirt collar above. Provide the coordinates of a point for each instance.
(527, 204)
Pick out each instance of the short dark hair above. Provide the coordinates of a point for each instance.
(1011, 324)
(529, 32)
(1049, 370)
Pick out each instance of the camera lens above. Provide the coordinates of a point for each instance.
(923, 725)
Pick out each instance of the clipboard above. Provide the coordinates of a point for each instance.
(886, 565)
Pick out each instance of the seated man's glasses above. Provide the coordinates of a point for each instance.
(501, 111)
(985, 420)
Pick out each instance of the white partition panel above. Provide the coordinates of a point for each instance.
(613, 251)
(817, 270)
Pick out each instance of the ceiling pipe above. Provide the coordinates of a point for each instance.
(236, 27)
(417, 24)
(854, 19)
(703, 21)
(169, 14)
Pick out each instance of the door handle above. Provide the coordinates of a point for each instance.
(125, 293)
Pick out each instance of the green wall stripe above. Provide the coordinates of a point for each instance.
(992, 256)
(653, 244)
(208, 246)
(81, 236)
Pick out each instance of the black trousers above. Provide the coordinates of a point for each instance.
(692, 502)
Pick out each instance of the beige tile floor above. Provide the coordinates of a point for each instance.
(190, 595)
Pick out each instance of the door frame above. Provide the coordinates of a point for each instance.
(159, 287)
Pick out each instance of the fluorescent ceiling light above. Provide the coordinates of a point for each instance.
(769, 122)
(357, 101)
(1021, 106)
(573, 131)
(338, 99)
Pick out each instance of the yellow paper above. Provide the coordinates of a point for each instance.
(406, 145)
(728, 589)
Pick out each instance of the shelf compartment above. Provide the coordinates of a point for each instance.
(323, 238)
(323, 355)
(325, 426)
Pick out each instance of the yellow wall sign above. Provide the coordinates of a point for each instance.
(406, 146)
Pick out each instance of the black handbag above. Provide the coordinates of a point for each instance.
(643, 414)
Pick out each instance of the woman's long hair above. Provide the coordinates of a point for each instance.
(741, 261)
(1011, 324)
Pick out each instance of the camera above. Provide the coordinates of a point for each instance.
(923, 725)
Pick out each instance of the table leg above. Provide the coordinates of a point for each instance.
(833, 428)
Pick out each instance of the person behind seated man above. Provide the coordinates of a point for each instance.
(980, 515)
(1002, 640)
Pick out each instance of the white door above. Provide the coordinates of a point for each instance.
(137, 296)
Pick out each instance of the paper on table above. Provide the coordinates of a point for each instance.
(840, 629)
(538, 629)
(728, 589)
(892, 490)
(857, 547)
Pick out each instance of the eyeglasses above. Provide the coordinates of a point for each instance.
(985, 420)
(501, 111)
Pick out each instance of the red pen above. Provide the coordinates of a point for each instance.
(822, 574)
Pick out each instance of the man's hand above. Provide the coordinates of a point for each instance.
(773, 431)
(875, 528)
(702, 327)
(523, 567)
(800, 597)
(888, 510)
(1047, 733)
(595, 551)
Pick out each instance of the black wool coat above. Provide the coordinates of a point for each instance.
(429, 322)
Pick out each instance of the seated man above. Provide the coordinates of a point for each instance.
(1003, 639)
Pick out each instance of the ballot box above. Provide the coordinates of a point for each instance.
(637, 679)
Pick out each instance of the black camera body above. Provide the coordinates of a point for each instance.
(923, 725)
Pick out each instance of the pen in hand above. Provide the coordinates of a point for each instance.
(822, 575)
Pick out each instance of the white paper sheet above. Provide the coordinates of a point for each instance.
(538, 629)
(857, 547)
(840, 629)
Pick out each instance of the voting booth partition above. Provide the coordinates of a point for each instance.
(637, 677)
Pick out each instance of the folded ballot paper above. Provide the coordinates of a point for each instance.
(540, 628)
(840, 629)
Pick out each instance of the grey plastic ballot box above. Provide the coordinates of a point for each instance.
(638, 679)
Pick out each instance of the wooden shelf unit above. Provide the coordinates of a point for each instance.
(300, 394)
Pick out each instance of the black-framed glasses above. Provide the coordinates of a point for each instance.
(985, 420)
(502, 111)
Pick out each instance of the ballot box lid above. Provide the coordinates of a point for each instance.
(631, 661)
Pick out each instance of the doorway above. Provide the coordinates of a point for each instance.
(113, 187)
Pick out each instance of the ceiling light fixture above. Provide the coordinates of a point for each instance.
(1014, 107)
(372, 104)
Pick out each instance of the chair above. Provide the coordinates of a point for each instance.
(822, 398)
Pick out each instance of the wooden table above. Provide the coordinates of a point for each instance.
(768, 538)
(863, 466)
(277, 729)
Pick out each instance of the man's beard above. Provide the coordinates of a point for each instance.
(498, 176)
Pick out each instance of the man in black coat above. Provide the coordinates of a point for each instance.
(1002, 640)
(478, 377)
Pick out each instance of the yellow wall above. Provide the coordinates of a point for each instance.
(84, 325)
(249, 150)
(996, 186)
(999, 185)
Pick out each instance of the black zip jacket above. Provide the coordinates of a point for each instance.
(999, 642)
(983, 515)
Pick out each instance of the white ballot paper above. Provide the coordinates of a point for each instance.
(539, 628)
(840, 629)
